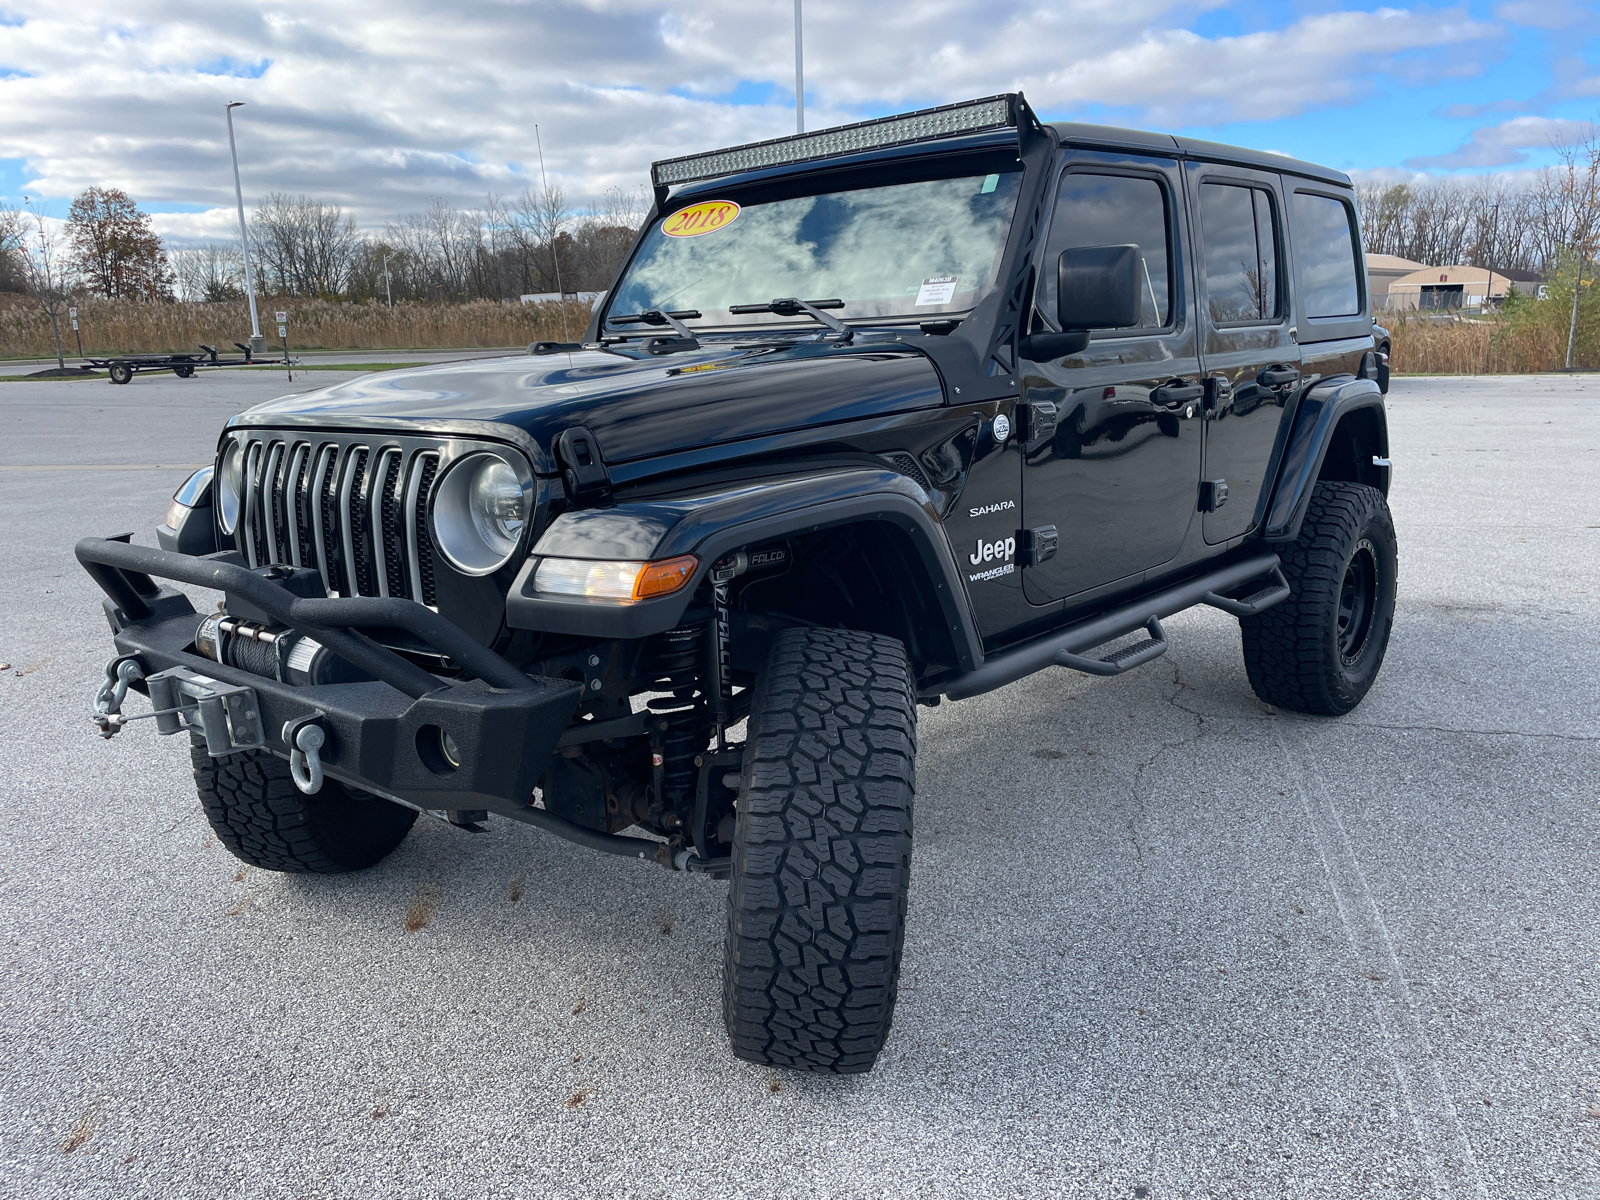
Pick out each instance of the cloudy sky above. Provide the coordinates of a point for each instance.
(379, 106)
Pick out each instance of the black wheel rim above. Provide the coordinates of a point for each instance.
(1358, 600)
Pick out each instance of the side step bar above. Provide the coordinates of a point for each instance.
(1065, 647)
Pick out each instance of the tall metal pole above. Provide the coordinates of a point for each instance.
(799, 75)
(257, 343)
(387, 291)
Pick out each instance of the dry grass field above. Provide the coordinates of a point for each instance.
(131, 327)
(1531, 338)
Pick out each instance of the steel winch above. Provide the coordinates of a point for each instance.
(271, 650)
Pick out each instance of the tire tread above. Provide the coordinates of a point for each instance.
(822, 853)
(264, 820)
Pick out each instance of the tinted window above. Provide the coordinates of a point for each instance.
(1114, 210)
(1241, 253)
(1324, 245)
(1267, 245)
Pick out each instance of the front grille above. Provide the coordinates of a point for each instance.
(354, 509)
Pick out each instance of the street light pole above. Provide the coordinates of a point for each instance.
(799, 76)
(386, 290)
(258, 344)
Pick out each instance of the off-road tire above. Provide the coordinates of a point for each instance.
(1320, 650)
(264, 820)
(821, 853)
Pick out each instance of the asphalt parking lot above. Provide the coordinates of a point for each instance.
(1164, 941)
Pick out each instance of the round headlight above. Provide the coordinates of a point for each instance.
(230, 486)
(479, 510)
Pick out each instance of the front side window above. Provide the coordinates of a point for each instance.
(1325, 251)
(910, 249)
(1114, 210)
(1241, 256)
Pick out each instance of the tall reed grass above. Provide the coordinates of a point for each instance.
(135, 327)
(1529, 336)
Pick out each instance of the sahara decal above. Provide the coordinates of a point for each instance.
(997, 506)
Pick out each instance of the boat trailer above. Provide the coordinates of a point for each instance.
(124, 367)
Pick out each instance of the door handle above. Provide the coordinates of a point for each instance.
(1037, 419)
(1277, 375)
(1176, 393)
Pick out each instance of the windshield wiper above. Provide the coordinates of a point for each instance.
(654, 316)
(790, 307)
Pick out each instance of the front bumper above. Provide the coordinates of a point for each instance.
(382, 735)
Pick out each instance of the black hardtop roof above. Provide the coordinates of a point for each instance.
(1073, 133)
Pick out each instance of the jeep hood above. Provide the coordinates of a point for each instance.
(637, 405)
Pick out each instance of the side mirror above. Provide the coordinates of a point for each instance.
(1097, 287)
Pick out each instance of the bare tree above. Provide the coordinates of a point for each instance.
(13, 246)
(1571, 195)
(211, 272)
(537, 218)
(304, 247)
(42, 263)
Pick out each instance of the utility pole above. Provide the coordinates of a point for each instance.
(386, 289)
(799, 75)
(258, 344)
(1494, 233)
(1488, 291)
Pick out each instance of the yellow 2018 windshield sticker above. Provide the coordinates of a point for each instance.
(706, 217)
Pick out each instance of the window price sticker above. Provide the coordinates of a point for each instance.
(939, 290)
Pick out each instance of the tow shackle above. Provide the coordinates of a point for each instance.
(305, 737)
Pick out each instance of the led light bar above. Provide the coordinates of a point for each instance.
(925, 125)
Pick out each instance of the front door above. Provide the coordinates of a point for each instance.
(1112, 436)
(1252, 363)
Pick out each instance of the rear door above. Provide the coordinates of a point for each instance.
(1250, 359)
(1111, 436)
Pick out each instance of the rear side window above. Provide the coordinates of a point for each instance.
(1114, 210)
(1325, 248)
(1240, 233)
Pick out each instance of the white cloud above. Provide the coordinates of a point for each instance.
(378, 108)
(1545, 14)
(1507, 143)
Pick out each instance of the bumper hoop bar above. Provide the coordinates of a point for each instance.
(123, 572)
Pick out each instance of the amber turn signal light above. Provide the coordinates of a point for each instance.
(664, 578)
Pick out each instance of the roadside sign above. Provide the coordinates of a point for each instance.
(74, 323)
(283, 318)
(283, 331)
(73, 313)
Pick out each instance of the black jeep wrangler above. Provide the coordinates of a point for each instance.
(872, 417)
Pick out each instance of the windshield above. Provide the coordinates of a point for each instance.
(900, 250)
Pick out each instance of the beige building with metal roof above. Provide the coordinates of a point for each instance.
(1382, 271)
(1458, 286)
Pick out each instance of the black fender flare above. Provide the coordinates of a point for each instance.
(1320, 411)
(711, 521)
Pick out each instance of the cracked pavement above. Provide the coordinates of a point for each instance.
(1164, 941)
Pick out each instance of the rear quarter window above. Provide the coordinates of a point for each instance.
(1325, 253)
